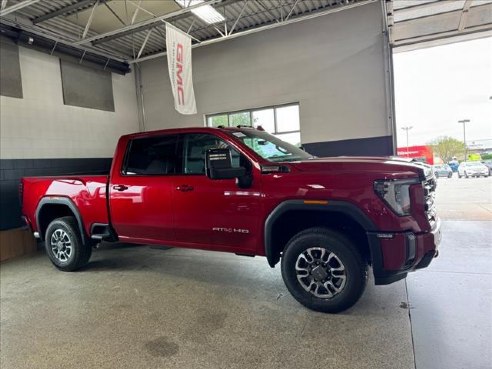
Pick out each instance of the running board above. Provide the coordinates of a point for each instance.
(102, 232)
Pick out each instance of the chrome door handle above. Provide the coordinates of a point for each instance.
(120, 187)
(184, 188)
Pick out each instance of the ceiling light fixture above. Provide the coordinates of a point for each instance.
(206, 12)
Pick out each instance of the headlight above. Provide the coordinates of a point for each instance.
(396, 194)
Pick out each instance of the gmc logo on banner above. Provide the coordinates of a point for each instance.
(178, 46)
(179, 73)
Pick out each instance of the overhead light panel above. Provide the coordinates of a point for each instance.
(206, 12)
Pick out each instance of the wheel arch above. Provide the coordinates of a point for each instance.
(50, 208)
(332, 214)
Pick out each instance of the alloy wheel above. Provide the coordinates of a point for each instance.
(320, 272)
(61, 245)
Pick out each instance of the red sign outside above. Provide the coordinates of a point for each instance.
(417, 152)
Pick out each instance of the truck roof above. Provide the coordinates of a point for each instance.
(185, 130)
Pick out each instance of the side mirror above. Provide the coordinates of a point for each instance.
(219, 165)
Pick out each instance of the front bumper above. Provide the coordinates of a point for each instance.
(396, 254)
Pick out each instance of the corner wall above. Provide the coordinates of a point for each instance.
(332, 65)
(39, 135)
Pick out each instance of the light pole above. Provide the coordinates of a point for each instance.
(464, 121)
(406, 129)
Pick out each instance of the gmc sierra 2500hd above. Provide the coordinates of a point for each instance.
(244, 191)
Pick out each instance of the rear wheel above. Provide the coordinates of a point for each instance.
(64, 245)
(450, 175)
(323, 270)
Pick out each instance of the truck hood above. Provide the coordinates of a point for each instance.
(389, 165)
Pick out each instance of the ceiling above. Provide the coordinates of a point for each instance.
(415, 24)
(134, 30)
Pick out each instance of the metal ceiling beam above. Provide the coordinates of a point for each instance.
(335, 9)
(442, 35)
(136, 12)
(89, 21)
(16, 7)
(60, 37)
(139, 29)
(4, 4)
(238, 17)
(466, 9)
(428, 5)
(114, 13)
(291, 10)
(67, 9)
(143, 44)
(140, 25)
(155, 16)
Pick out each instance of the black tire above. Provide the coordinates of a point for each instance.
(79, 254)
(450, 175)
(347, 254)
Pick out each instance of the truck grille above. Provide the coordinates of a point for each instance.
(430, 195)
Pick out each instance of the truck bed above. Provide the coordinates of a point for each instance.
(87, 193)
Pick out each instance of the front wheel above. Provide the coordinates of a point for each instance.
(323, 270)
(64, 245)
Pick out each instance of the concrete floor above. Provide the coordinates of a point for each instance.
(143, 307)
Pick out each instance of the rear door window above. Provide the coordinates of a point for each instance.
(153, 156)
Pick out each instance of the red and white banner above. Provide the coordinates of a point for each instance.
(178, 46)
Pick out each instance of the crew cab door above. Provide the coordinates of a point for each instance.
(214, 214)
(141, 189)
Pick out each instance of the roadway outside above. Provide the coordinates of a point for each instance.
(450, 301)
(464, 198)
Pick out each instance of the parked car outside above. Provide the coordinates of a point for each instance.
(472, 169)
(488, 164)
(443, 170)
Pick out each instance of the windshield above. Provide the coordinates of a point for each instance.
(270, 147)
(477, 164)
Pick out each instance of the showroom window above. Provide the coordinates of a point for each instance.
(281, 121)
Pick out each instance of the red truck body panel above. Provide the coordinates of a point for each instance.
(88, 193)
(197, 212)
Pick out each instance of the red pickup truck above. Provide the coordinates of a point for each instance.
(245, 191)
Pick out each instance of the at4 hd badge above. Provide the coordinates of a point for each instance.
(230, 230)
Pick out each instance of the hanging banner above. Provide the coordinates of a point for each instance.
(178, 45)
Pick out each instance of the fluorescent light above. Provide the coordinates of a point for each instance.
(206, 12)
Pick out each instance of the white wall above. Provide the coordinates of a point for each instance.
(332, 65)
(41, 126)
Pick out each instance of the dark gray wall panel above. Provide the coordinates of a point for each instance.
(12, 170)
(10, 73)
(86, 87)
(372, 146)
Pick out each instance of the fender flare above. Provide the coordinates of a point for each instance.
(343, 207)
(61, 201)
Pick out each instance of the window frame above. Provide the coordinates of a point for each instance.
(124, 164)
(180, 138)
(251, 110)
